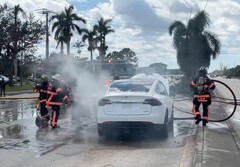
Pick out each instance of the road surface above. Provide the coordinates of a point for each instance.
(76, 142)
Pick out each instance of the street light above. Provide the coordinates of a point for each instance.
(46, 12)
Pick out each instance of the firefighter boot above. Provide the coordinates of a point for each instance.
(55, 127)
(198, 119)
(204, 123)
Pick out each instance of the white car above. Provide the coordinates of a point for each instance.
(6, 79)
(138, 102)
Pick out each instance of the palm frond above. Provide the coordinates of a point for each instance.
(55, 25)
(176, 25)
(78, 18)
(199, 22)
(84, 37)
(214, 43)
(79, 30)
(17, 10)
(107, 21)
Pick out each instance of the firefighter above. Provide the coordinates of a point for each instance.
(43, 119)
(55, 99)
(43, 97)
(201, 86)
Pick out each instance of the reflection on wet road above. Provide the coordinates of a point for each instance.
(15, 110)
(22, 133)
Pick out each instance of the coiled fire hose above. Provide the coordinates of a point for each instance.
(234, 102)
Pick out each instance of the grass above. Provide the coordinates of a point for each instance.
(19, 87)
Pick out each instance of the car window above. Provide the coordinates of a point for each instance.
(130, 87)
(160, 89)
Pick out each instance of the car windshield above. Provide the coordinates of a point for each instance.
(131, 86)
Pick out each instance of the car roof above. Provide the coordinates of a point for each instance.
(153, 76)
(136, 80)
(144, 82)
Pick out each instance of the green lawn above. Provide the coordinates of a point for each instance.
(19, 88)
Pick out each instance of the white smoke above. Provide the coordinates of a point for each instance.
(88, 90)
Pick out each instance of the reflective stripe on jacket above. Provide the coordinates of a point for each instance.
(55, 96)
(43, 92)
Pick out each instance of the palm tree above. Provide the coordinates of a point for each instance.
(195, 46)
(16, 11)
(70, 26)
(103, 29)
(92, 40)
(79, 45)
(65, 25)
(59, 26)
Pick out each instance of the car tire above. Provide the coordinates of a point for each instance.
(164, 128)
(100, 130)
(172, 117)
(171, 121)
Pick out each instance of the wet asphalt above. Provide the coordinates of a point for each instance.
(18, 132)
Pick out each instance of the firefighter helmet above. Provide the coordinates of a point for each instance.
(202, 70)
(57, 77)
(44, 77)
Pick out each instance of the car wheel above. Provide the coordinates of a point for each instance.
(100, 130)
(172, 117)
(171, 122)
(164, 128)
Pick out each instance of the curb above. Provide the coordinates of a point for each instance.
(17, 98)
(18, 92)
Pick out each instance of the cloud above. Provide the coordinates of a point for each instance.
(139, 14)
(142, 25)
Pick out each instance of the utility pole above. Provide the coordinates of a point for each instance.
(46, 12)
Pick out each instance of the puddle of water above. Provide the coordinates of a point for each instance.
(17, 109)
(26, 135)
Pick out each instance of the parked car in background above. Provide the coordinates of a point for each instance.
(142, 102)
(6, 79)
(15, 79)
(228, 77)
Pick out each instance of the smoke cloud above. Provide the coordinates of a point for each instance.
(87, 90)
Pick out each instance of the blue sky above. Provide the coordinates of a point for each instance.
(142, 25)
(83, 5)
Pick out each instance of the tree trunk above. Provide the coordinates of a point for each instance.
(61, 47)
(91, 58)
(10, 72)
(15, 67)
(68, 48)
(21, 70)
(21, 76)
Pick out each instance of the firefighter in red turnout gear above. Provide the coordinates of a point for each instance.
(43, 97)
(43, 119)
(55, 98)
(201, 86)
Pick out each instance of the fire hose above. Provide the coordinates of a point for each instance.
(235, 102)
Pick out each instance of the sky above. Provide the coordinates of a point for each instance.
(142, 25)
